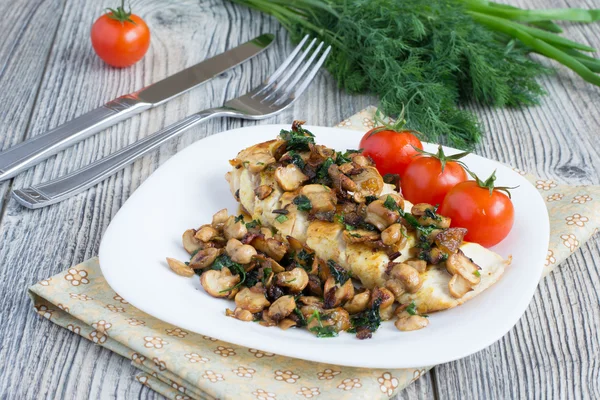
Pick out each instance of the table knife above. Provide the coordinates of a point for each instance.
(26, 154)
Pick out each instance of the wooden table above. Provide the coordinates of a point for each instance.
(49, 74)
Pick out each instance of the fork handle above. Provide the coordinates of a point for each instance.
(56, 190)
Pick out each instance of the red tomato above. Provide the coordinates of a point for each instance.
(391, 150)
(427, 179)
(120, 38)
(487, 217)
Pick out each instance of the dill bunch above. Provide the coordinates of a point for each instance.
(426, 59)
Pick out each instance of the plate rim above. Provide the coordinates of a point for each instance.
(361, 362)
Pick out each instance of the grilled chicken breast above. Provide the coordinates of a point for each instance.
(267, 190)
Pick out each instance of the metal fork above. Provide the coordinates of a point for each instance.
(276, 94)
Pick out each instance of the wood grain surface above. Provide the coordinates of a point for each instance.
(49, 74)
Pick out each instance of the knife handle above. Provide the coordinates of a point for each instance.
(79, 180)
(30, 152)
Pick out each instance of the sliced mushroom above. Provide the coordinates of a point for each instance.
(321, 198)
(179, 267)
(286, 323)
(205, 258)
(381, 216)
(253, 300)
(220, 283)
(336, 295)
(358, 303)
(360, 236)
(271, 247)
(281, 308)
(361, 160)
(384, 295)
(369, 183)
(434, 255)
(340, 181)
(314, 284)
(407, 276)
(407, 322)
(419, 265)
(206, 233)
(290, 177)
(459, 286)
(240, 253)
(420, 209)
(310, 301)
(257, 157)
(295, 280)
(338, 318)
(266, 232)
(460, 264)
(233, 229)
(241, 314)
(190, 243)
(395, 233)
(220, 218)
(450, 239)
(266, 262)
(263, 191)
(426, 216)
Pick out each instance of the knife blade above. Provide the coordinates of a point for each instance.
(30, 152)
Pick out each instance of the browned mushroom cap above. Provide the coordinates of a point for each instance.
(190, 243)
(179, 267)
(360, 236)
(338, 318)
(290, 177)
(336, 295)
(321, 198)
(434, 255)
(238, 252)
(361, 160)
(381, 216)
(426, 216)
(271, 247)
(459, 286)
(310, 301)
(340, 181)
(205, 258)
(394, 234)
(281, 308)
(286, 323)
(257, 157)
(407, 276)
(419, 265)
(450, 239)
(219, 283)
(407, 322)
(233, 229)
(420, 209)
(206, 233)
(358, 303)
(263, 191)
(460, 264)
(241, 314)
(252, 299)
(369, 183)
(220, 218)
(295, 280)
(266, 262)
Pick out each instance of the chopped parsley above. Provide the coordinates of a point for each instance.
(340, 275)
(239, 218)
(296, 159)
(303, 203)
(412, 308)
(369, 199)
(266, 273)
(235, 268)
(340, 219)
(305, 259)
(281, 219)
(430, 212)
(477, 274)
(252, 278)
(301, 319)
(342, 158)
(253, 224)
(323, 171)
(368, 319)
(356, 235)
(291, 280)
(297, 140)
(320, 330)
(390, 203)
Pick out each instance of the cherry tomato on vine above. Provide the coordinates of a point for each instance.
(391, 147)
(120, 38)
(486, 211)
(428, 178)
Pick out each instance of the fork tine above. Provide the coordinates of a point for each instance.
(300, 74)
(286, 62)
(304, 84)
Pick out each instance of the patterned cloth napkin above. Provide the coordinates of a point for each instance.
(186, 365)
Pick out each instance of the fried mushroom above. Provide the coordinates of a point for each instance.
(220, 283)
(407, 322)
(238, 252)
(205, 258)
(252, 299)
(295, 280)
(289, 177)
(281, 308)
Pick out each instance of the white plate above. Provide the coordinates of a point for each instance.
(186, 191)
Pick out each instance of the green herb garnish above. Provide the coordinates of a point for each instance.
(323, 171)
(253, 224)
(303, 203)
(235, 268)
(339, 274)
(301, 320)
(412, 308)
(281, 218)
(298, 141)
(239, 218)
(306, 259)
(477, 274)
(339, 218)
(266, 273)
(368, 319)
(320, 330)
(369, 199)
(296, 159)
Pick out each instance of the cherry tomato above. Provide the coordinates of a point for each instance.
(428, 178)
(486, 212)
(392, 150)
(120, 38)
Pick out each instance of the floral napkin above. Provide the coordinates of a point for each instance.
(186, 365)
